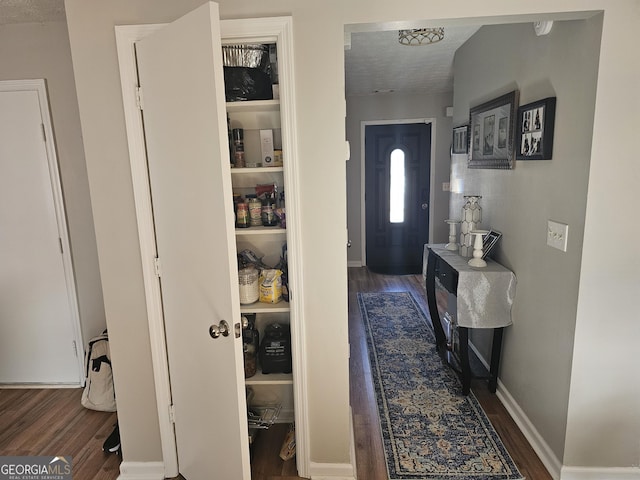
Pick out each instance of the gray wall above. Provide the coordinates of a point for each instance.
(41, 50)
(319, 74)
(398, 106)
(538, 348)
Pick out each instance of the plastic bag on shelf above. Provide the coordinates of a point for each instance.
(247, 258)
(283, 267)
(247, 72)
(271, 286)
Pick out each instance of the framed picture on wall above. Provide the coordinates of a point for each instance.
(460, 143)
(489, 241)
(492, 126)
(535, 130)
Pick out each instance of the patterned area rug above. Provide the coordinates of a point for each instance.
(430, 431)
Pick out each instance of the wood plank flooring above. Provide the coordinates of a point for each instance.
(52, 422)
(369, 451)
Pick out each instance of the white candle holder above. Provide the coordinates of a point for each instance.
(471, 219)
(453, 235)
(477, 260)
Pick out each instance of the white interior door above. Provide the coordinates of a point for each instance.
(180, 71)
(38, 317)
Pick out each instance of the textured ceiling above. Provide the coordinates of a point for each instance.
(31, 11)
(377, 63)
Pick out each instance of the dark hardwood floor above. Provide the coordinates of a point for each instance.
(52, 422)
(369, 452)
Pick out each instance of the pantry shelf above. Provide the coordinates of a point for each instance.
(260, 231)
(253, 170)
(262, 307)
(254, 106)
(270, 379)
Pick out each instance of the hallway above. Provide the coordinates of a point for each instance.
(369, 451)
(51, 422)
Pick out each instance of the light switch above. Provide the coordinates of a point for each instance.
(446, 187)
(557, 235)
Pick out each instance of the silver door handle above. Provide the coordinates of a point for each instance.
(425, 206)
(221, 329)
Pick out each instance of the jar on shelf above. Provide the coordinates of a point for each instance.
(277, 158)
(269, 218)
(249, 285)
(471, 218)
(238, 148)
(242, 215)
(250, 345)
(255, 210)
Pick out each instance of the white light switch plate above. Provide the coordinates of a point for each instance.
(557, 235)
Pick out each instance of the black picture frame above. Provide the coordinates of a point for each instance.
(489, 241)
(460, 142)
(536, 123)
(492, 126)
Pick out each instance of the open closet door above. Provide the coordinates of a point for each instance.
(181, 80)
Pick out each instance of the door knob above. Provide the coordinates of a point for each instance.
(221, 329)
(425, 206)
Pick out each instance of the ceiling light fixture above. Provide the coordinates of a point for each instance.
(420, 36)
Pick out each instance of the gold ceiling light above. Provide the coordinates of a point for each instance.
(420, 36)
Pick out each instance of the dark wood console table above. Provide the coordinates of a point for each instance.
(461, 297)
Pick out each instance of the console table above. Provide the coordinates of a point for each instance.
(461, 297)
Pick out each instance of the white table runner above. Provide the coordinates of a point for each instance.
(485, 295)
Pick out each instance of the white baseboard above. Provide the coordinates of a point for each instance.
(10, 386)
(155, 471)
(585, 473)
(356, 263)
(332, 471)
(141, 471)
(352, 439)
(542, 449)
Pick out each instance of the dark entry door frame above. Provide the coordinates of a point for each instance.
(363, 127)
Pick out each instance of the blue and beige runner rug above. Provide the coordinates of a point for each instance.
(430, 431)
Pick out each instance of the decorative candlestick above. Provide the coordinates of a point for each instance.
(477, 260)
(452, 245)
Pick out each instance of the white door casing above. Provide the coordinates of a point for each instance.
(257, 30)
(40, 334)
(180, 69)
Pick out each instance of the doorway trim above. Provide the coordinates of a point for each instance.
(260, 29)
(363, 128)
(40, 87)
(126, 36)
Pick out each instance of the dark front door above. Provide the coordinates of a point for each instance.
(397, 169)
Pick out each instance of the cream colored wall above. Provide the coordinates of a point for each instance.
(605, 381)
(318, 35)
(41, 50)
(398, 106)
(538, 347)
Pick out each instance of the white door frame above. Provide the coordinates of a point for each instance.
(363, 220)
(39, 86)
(255, 30)
(126, 36)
